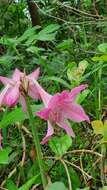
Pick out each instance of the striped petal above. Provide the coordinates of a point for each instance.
(50, 132)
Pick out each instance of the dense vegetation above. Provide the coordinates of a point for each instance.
(66, 40)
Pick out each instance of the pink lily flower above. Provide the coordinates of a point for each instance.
(59, 109)
(17, 87)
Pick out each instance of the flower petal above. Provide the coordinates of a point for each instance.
(33, 92)
(23, 103)
(76, 113)
(75, 91)
(44, 113)
(65, 125)
(16, 75)
(3, 94)
(34, 74)
(44, 95)
(5, 80)
(50, 132)
(13, 96)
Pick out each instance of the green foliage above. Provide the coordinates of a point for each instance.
(17, 115)
(75, 73)
(104, 188)
(29, 183)
(60, 145)
(4, 155)
(57, 186)
(70, 47)
(10, 185)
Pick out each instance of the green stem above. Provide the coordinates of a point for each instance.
(37, 143)
(103, 152)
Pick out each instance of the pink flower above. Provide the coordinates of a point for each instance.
(59, 109)
(17, 87)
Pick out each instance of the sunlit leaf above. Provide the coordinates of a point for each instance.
(101, 58)
(4, 155)
(82, 66)
(75, 72)
(98, 127)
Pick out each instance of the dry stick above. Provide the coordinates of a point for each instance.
(78, 168)
(67, 172)
(24, 149)
(27, 131)
(68, 22)
(84, 151)
(2, 188)
(104, 142)
(81, 164)
(9, 176)
(77, 10)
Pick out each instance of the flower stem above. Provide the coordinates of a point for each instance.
(103, 152)
(37, 143)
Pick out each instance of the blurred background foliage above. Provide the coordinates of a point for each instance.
(69, 43)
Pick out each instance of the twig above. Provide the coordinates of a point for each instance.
(67, 172)
(81, 164)
(78, 168)
(26, 131)
(84, 151)
(24, 149)
(78, 10)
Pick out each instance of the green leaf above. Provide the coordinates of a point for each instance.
(17, 115)
(98, 127)
(34, 49)
(10, 185)
(103, 188)
(65, 45)
(29, 33)
(50, 28)
(75, 73)
(4, 155)
(74, 178)
(101, 58)
(59, 145)
(103, 47)
(29, 183)
(59, 80)
(48, 33)
(8, 41)
(105, 130)
(57, 186)
(82, 96)
(82, 66)
(86, 188)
